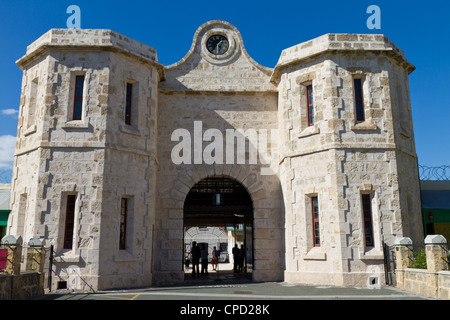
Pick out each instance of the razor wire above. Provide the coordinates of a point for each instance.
(440, 173)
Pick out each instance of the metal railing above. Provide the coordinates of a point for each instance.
(389, 264)
(27, 253)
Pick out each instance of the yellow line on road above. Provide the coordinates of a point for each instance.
(112, 297)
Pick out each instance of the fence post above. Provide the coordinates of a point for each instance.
(35, 255)
(14, 246)
(404, 258)
(436, 251)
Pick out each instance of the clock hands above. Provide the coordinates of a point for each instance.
(217, 46)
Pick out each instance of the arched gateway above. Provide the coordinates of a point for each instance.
(223, 203)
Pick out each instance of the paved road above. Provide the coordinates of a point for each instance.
(243, 291)
(235, 297)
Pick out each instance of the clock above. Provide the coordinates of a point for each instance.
(217, 44)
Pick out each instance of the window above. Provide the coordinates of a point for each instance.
(367, 218)
(128, 103)
(315, 221)
(78, 99)
(70, 220)
(359, 105)
(33, 102)
(123, 223)
(310, 105)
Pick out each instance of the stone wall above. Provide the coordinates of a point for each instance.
(24, 286)
(57, 156)
(222, 112)
(338, 158)
(432, 282)
(17, 284)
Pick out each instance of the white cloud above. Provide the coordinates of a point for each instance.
(7, 147)
(10, 112)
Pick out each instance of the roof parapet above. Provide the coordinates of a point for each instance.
(88, 39)
(338, 42)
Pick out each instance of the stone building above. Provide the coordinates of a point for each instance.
(117, 155)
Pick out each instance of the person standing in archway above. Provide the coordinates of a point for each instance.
(195, 254)
(241, 258)
(215, 258)
(204, 255)
(235, 253)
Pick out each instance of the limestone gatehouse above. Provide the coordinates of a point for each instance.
(117, 155)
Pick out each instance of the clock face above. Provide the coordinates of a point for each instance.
(217, 44)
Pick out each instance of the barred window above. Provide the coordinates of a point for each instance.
(367, 217)
(70, 221)
(123, 223)
(128, 103)
(78, 99)
(359, 104)
(310, 105)
(315, 221)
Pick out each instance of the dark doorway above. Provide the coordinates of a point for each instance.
(224, 203)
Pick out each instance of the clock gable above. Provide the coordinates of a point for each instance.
(217, 61)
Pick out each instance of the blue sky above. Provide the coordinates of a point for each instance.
(267, 27)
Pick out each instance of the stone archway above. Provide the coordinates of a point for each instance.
(267, 220)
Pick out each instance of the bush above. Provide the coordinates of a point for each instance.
(420, 260)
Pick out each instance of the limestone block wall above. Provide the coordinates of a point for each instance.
(338, 159)
(223, 92)
(70, 159)
(59, 156)
(434, 281)
(221, 111)
(233, 71)
(24, 286)
(130, 167)
(28, 157)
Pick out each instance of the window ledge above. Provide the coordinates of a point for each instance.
(372, 254)
(364, 126)
(315, 253)
(67, 256)
(309, 131)
(30, 130)
(124, 256)
(75, 124)
(130, 130)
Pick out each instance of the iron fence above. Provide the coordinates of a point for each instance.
(28, 258)
(6, 263)
(446, 256)
(389, 264)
